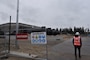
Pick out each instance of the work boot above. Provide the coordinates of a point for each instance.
(75, 57)
(80, 57)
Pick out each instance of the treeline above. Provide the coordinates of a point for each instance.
(57, 31)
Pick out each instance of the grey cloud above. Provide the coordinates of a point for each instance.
(4, 16)
(54, 13)
(9, 3)
(29, 14)
(29, 11)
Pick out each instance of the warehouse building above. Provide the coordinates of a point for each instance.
(23, 28)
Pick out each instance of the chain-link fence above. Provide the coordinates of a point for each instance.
(3, 47)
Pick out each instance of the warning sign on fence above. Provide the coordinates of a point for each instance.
(22, 36)
(38, 38)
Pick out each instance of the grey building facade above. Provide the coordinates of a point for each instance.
(23, 28)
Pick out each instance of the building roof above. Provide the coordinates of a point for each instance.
(20, 24)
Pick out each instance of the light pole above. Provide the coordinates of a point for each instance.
(17, 25)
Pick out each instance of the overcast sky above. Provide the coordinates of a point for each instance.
(49, 13)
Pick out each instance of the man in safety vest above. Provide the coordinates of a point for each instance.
(77, 44)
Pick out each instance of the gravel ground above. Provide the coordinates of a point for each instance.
(25, 46)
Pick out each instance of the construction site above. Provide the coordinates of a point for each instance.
(27, 50)
(44, 30)
(59, 47)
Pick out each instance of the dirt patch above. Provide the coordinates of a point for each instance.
(66, 37)
(27, 47)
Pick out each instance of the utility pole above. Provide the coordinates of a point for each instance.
(17, 25)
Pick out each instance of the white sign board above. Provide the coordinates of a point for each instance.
(38, 38)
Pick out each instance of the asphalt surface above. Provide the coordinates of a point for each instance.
(65, 50)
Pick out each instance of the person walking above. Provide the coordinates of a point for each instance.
(77, 42)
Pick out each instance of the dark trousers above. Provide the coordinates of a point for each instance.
(79, 51)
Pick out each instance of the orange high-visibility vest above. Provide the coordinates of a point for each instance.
(77, 41)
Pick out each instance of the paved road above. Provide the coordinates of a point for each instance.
(65, 50)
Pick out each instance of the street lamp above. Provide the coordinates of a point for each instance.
(17, 25)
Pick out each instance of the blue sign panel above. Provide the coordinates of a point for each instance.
(38, 38)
